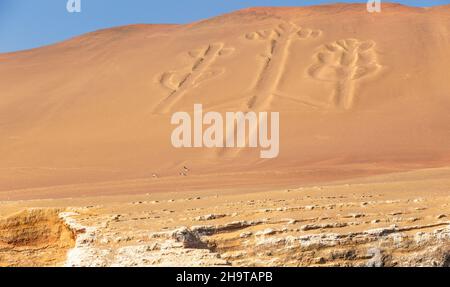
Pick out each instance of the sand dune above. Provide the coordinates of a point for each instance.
(358, 94)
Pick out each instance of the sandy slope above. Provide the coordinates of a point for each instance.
(358, 94)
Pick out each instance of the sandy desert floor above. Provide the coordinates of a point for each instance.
(401, 219)
(88, 176)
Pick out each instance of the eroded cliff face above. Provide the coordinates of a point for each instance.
(267, 242)
(34, 237)
(234, 245)
(391, 220)
(360, 224)
(381, 247)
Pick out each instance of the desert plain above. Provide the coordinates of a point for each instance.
(89, 177)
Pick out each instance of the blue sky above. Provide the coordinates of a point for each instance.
(26, 24)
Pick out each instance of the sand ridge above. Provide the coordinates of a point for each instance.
(97, 108)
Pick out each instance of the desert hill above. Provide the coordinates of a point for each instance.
(358, 94)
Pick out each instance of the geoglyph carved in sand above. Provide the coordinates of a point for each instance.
(279, 42)
(344, 62)
(265, 87)
(182, 80)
